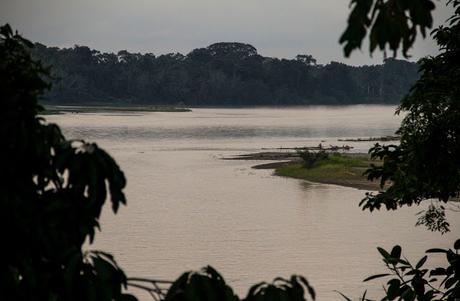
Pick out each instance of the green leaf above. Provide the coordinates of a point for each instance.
(421, 262)
(450, 282)
(345, 297)
(457, 245)
(393, 288)
(396, 252)
(436, 250)
(384, 253)
(438, 272)
(363, 298)
(412, 272)
(376, 276)
(310, 289)
(405, 262)
(408, 295)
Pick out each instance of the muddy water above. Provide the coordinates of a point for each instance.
(188, 208)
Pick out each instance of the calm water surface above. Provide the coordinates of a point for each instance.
(187, 208)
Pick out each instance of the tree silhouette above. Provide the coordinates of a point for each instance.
(52, 193)
(395, 23)
(426, 163)
(220, 74)
(425, 166)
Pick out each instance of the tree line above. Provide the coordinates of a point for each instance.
(222, 74)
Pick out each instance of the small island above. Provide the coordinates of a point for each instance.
(327, 167)
(337, 168)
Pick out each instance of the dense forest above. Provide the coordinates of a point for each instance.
(222, 74)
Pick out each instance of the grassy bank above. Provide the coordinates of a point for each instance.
(339, 169)
(49, 109)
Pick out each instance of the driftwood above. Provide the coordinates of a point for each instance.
(289, 155)
(320, 147)
(385, 138)
(266, 156)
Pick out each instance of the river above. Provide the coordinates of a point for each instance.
(187, 208)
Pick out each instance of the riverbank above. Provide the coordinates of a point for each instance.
(338, 168)
(52, 109)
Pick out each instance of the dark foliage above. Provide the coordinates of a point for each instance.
(209, 285)
(293, 289)
(426, 164)
(310, 159)
(223, 74)
(415, 282)
(389, 22)
(52, 193)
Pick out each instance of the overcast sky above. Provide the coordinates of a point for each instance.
(277, 28)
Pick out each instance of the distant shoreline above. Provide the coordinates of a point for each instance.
(55, 109)
(221, 74)
(60, 109)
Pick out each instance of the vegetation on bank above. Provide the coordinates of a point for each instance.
(338, 169)
(222, 74)
(51, 110)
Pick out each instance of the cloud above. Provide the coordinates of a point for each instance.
(276, 28)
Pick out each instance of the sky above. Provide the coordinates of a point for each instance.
(277, 28)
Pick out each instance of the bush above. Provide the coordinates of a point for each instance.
(310, 159)
(415, 282)
(52, 194)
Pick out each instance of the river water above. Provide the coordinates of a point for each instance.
(188, 208)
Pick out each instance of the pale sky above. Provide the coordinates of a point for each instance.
(277, 28)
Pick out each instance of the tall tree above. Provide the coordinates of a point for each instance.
(52, 193)
(220, 74)
(426, 164)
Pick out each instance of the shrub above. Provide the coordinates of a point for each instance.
(310, 159)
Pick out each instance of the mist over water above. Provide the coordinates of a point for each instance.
(187, 208)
